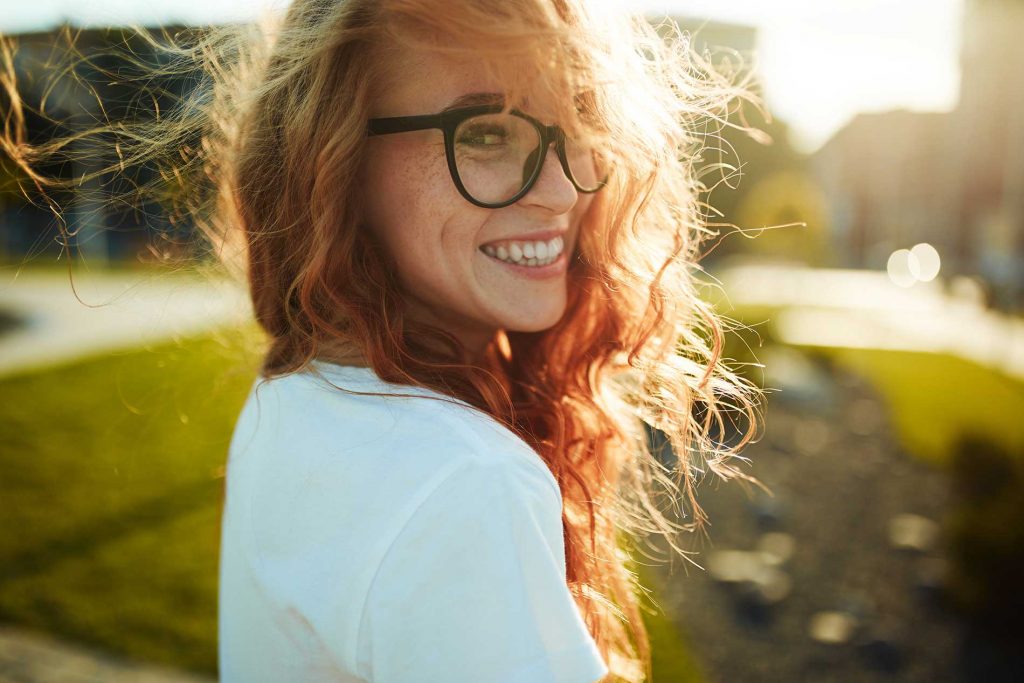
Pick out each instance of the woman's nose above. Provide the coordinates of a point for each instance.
(552, 186)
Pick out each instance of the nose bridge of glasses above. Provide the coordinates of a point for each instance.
(530, 164)
(552, 136)
(556, 137)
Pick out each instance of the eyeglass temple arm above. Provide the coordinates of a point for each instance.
(402, 124)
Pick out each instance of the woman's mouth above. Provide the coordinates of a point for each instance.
(530, 253)
(529, 258)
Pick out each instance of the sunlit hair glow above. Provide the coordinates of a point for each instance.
(264, 159)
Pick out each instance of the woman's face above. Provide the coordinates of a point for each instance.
(437, 238)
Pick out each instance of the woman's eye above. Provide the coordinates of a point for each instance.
(484, 137)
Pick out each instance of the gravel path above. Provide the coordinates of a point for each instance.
(837, 578)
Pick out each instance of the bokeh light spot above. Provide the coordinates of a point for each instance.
(928, 261)
(901, 268)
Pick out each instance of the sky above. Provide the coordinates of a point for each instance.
(821, 61)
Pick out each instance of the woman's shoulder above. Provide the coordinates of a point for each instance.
(392, 499)
(349, 420)
(313, 470)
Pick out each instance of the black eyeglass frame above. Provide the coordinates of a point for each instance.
(449, 120)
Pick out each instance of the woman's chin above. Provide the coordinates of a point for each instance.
(533, 321)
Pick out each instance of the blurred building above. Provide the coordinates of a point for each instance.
(728, 47)
(101, 232)
(715, 35)
(93, 85)
(954, 180)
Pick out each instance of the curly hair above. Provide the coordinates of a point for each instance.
(263, 157)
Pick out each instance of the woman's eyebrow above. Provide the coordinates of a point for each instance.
(473, 98)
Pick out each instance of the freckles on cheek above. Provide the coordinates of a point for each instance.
(396, 189)
(429, 199)
(416, 204)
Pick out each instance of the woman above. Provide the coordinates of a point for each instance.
(467, 229)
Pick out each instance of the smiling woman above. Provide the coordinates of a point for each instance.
(447, 249)
(469, 231)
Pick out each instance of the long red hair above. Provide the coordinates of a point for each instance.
(265, 161)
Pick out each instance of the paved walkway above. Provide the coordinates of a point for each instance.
(116, 311)
(32, 658)
(865, 309)
(826, 307)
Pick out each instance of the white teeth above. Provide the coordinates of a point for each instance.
(527, 253)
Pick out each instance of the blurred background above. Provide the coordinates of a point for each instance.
(874, 288)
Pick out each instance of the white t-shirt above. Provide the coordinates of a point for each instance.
(390, 540)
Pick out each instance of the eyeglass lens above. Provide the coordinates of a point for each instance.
(495, 155)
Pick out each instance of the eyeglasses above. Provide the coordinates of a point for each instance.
(495, 157)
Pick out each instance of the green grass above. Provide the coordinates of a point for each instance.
(671, 658)
(934, 398)
(111, 480)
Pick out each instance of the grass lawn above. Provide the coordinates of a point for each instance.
(935, 398)
(112, 484)
(671, 659)
(111, 477)
(932, 398)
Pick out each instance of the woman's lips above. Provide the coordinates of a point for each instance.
(551, 270)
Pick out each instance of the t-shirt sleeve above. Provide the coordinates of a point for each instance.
(472, 589)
